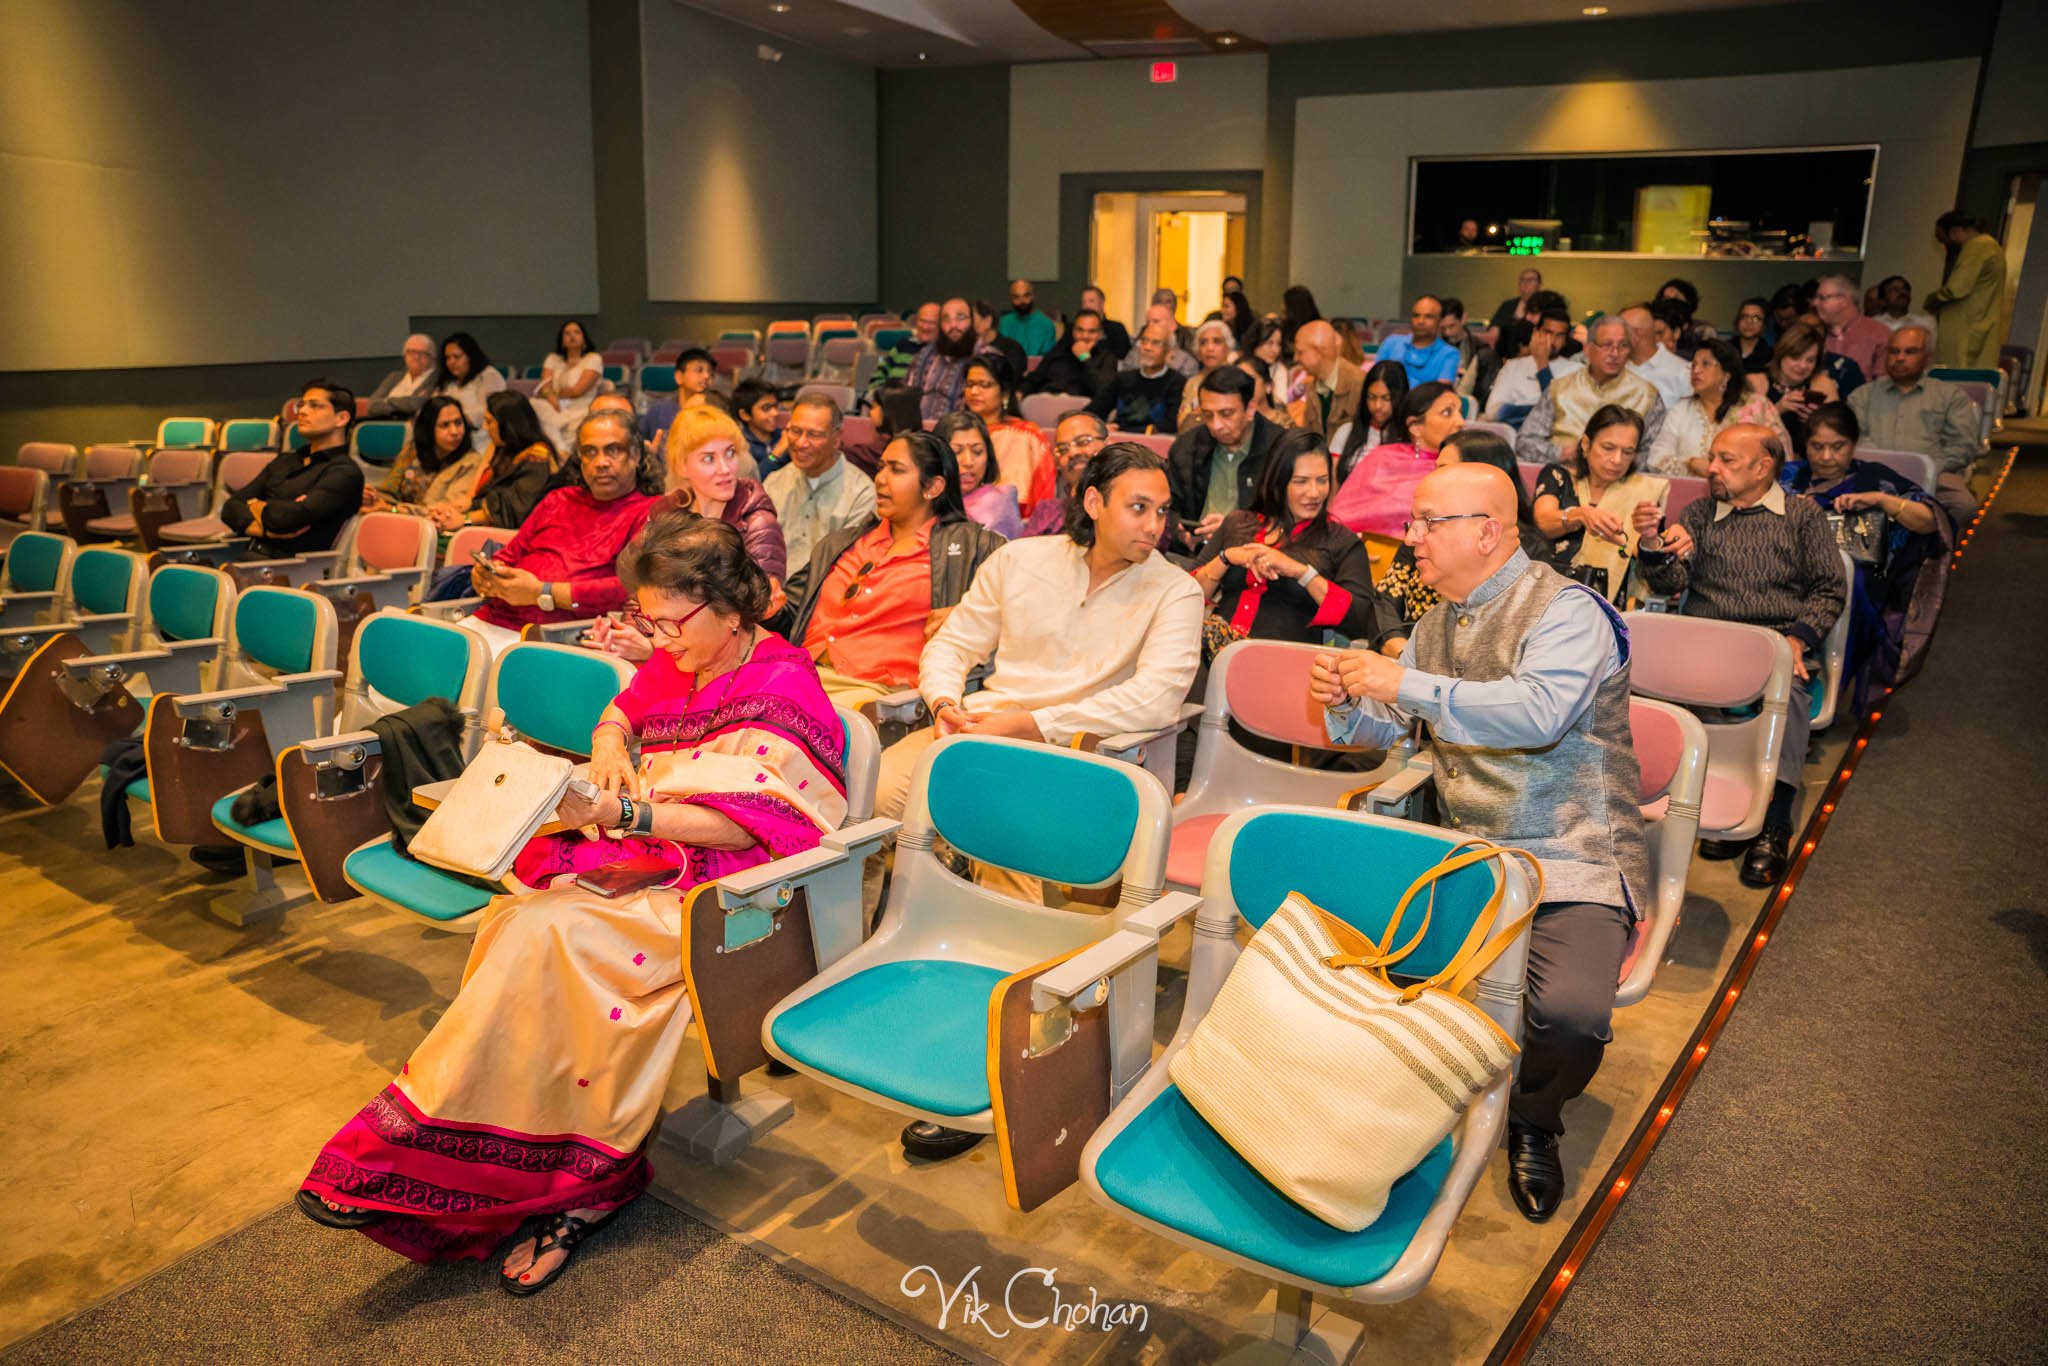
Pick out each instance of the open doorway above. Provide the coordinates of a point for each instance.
(1183, 240)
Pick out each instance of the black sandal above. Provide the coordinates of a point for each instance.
(564, 1232)
(320, 1212)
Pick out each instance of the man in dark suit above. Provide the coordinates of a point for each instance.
(1214, 468)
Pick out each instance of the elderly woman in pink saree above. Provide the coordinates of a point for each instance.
(524, 1115)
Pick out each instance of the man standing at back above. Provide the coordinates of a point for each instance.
(1024, 324)
(1334, 386)
(1520, 678)
(1424, 354)
(1969, 308)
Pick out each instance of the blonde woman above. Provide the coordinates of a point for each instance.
(705, 448)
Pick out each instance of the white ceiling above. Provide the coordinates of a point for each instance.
(912, 33)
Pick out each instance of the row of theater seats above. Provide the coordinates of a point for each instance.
(228, 684)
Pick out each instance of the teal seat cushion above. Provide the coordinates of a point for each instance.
(383, 872)
(270, 834)
(915, 1031)
(1033, 808)
(137, 790)
(1171, 1167)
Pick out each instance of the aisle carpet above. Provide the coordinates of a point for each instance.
(285, 1289)
(1857, 1172)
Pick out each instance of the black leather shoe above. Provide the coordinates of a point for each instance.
(778, 1068)
(1535, 1176)
(1766, 861)
(1724, 849)
(935, 1142)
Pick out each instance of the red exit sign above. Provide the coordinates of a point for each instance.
(1165, 73)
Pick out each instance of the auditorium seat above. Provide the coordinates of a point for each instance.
(841, 394)
(551, 695)
(248, 434)
(68, 703)
(1826, 689)
(888, 338)
(748, 337)
(395, 661)
(929, 1015)
(104, 477)
(732, 360)
(95, 595)
(1915, 466)
(1728, 667)
(234, 470)
(278, 683)
(172, 471)
(1047, 409)
(185, 431)
(656, 381)
(57, 460)
(23, 492)
(1261, 685)
(838, 359)
(470, 539)
(1157, 1163)
(1499, 429)
(638, 345)
(1671, 752)
(788, 358)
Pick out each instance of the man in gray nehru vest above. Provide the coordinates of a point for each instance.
(1520, 679)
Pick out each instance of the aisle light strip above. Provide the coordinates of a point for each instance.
(1592, 1222)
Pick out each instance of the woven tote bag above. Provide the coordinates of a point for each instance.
(1329, 1079)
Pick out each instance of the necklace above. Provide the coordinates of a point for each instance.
(753, 639)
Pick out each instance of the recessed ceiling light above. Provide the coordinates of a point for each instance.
(922, 56)
(1594, 11)
(855, 32)
(1226, 40)
(778, 9)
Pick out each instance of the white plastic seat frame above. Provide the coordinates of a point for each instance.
(23, 629)
(1668, 837)
(1475, 1139)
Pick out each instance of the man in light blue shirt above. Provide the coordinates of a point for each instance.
(1519, 681)
(1423, 353)
(1024, 324)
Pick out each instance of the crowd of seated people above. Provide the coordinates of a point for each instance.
(1056, 585)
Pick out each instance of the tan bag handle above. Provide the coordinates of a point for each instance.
(1472, 958)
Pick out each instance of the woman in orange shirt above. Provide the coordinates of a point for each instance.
(878, 591)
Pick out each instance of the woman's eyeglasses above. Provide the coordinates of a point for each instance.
(667, 626)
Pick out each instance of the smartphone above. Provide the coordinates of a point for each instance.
(630, 875)
(486, 558)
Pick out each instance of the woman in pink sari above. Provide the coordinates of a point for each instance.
(1377, 496)
(524, 1115)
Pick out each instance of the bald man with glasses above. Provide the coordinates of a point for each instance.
(1518, 682)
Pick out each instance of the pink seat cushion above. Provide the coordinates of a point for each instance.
(119, 524)
(194, 529)
(388, 542)
(1190, 849)
(1654, 811)
(1725, 805)
(1267, 690)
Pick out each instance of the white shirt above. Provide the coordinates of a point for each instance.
(1516, 387)
(812, 509)
(1110, 662)
(410, 384)
(564, 374)
(1911, 319)
(1672, 376)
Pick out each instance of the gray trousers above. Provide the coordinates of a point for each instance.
(1798, 732)
(1575, 951)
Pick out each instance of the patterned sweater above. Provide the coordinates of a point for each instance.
(1774, 563)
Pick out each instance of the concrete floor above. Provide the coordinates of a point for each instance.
(169, 1078)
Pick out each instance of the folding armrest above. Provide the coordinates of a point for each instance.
(830, 877)
(383, 590)
(346, 750)
(173, 666)
(288, 705)
(1124, 747)
(560, 632)
(1126, 967)
(23, 608)
(1392, 797)
(451, 610)
(905, 707)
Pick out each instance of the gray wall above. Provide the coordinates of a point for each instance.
(256, 180)
(2015, 106)
(944, 183)
(759, 176)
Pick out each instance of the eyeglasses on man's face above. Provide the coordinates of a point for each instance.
(616, 452)
(1078, 446)
(1417, 528)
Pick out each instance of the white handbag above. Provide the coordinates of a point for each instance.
(1329, 1079)
(501, 800)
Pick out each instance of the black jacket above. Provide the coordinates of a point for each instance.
(312, 492)
(957, 550)
(1187, 468)
(1287, 609)
(1137, 403)
(1116, 338)
(510, 497)
(1061, 373)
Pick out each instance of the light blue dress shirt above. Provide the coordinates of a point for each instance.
(1436, 361)
(1570, 653)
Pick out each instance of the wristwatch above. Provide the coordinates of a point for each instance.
(547, 597)
(1309, 576)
